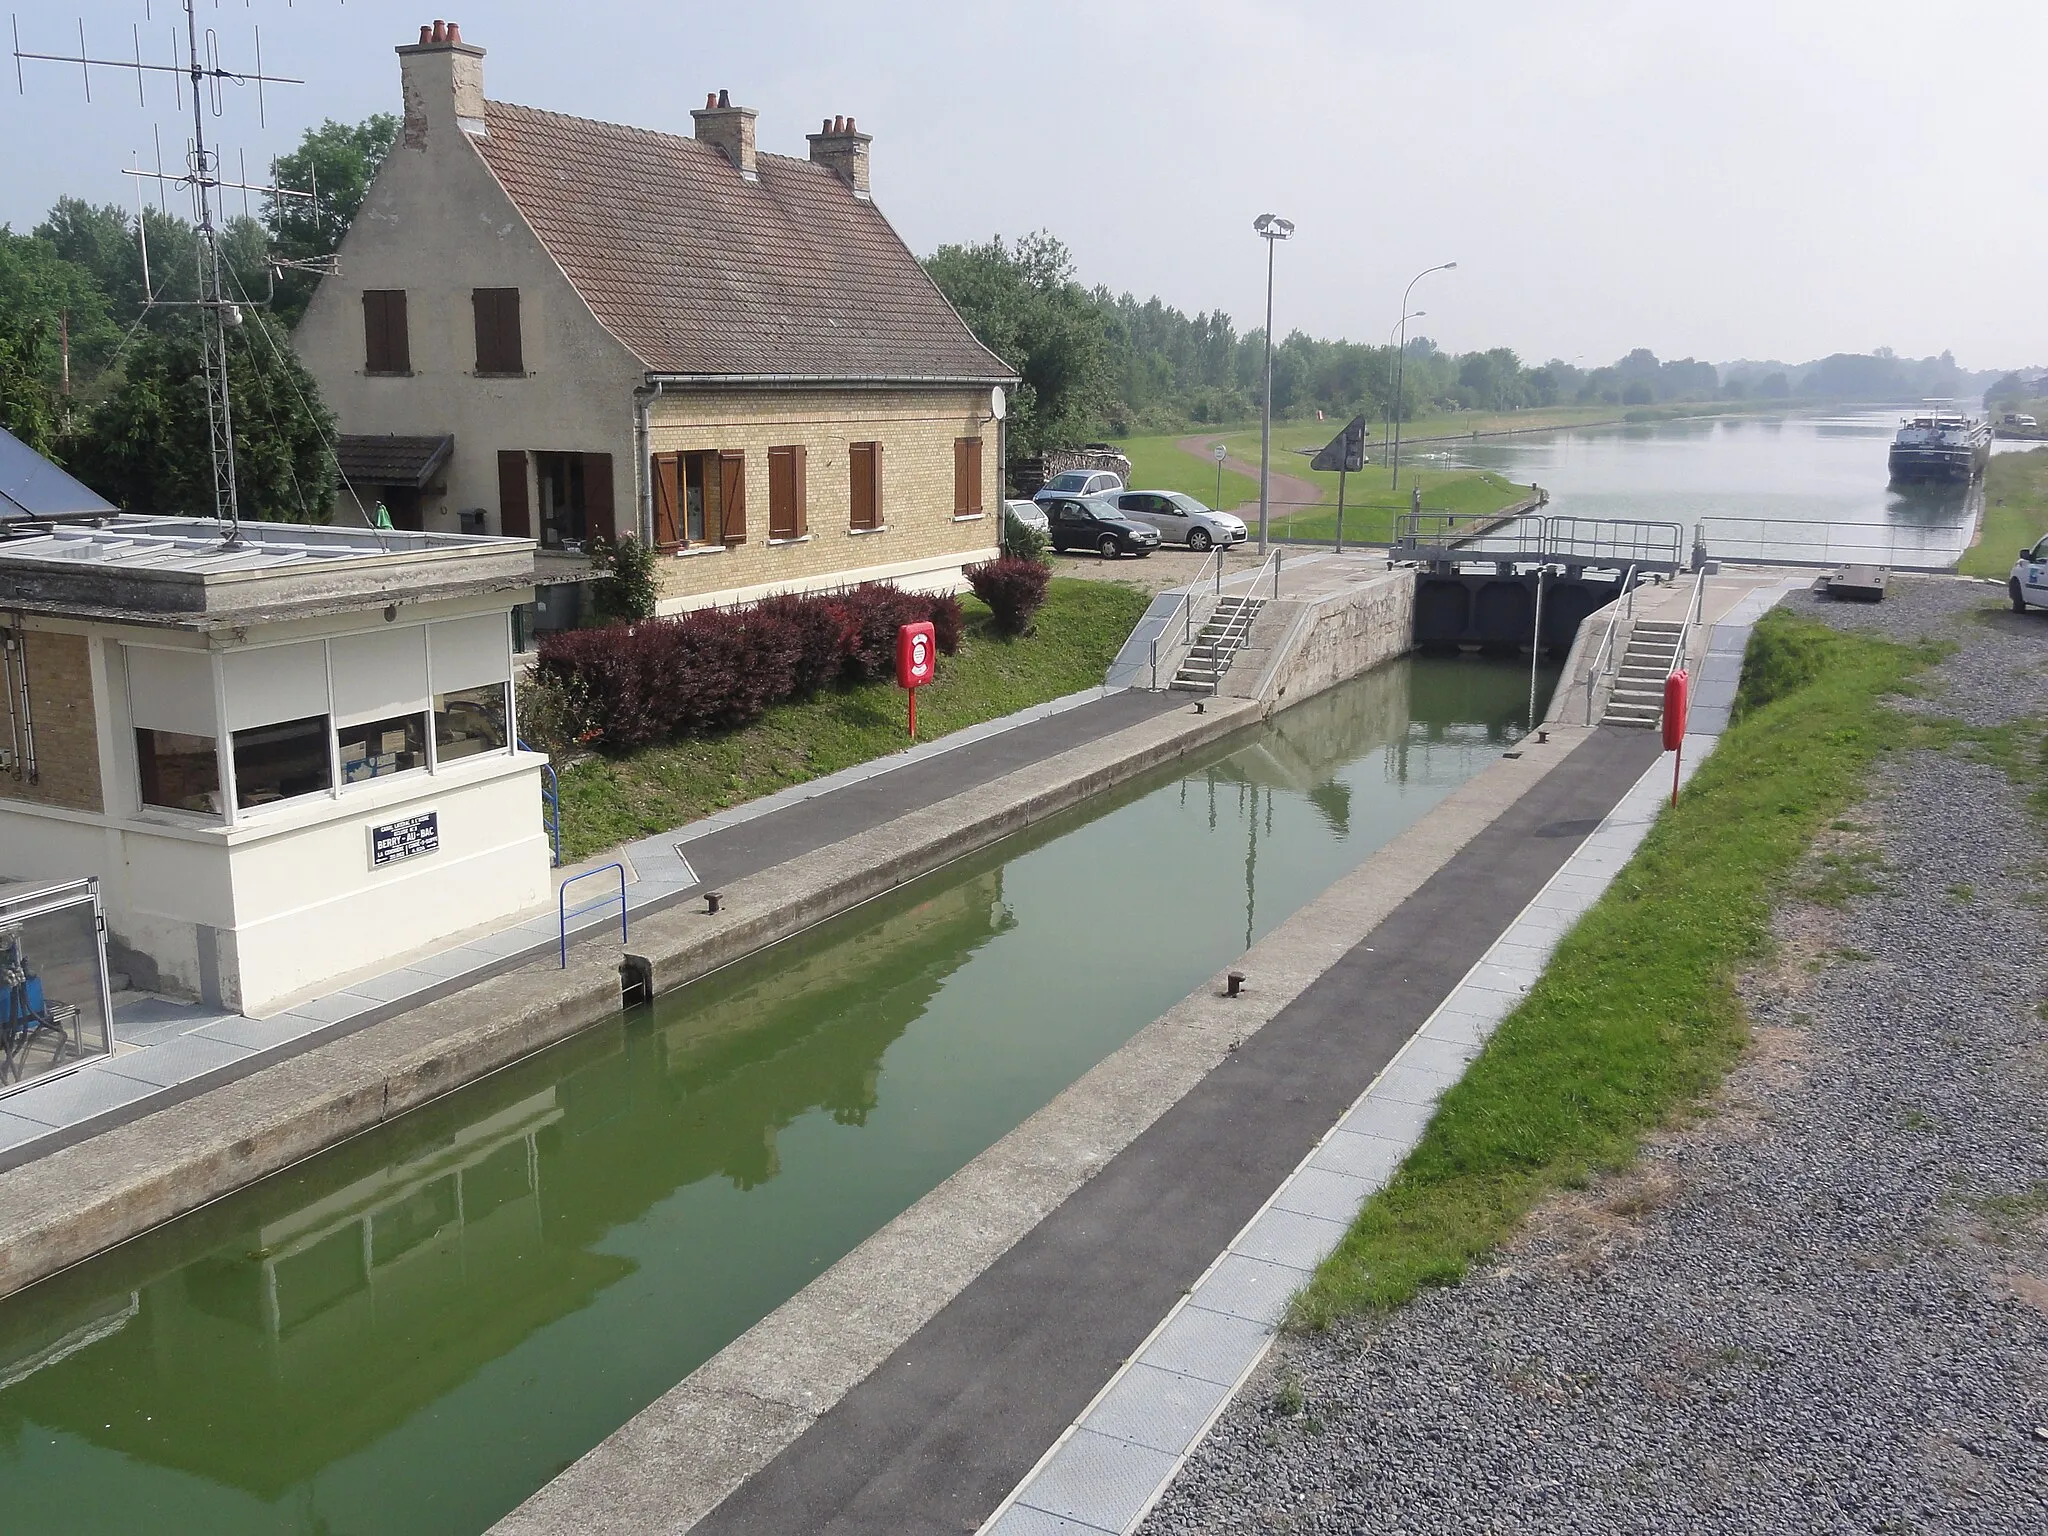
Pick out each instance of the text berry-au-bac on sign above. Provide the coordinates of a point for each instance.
(406, 838)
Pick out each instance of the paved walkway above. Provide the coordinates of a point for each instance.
(1162, 1277)
(169, 1051)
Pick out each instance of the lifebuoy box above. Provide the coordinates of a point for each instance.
(917, 650)
(1677, 693)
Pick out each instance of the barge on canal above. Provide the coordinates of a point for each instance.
(1941, 443)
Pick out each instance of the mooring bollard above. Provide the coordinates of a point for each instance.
(1234, 982)
(711, 901)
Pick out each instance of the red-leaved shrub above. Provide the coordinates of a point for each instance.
(1013, 588)
(629, 686)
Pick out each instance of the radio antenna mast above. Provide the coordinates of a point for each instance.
(217, 315)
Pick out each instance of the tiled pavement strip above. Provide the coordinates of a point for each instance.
(167, 1046)
(1106, 1472)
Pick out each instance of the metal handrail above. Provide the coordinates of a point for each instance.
(1184, 608)
(1693, 609)
(551, 802)
(1600, 657)
(564, 912)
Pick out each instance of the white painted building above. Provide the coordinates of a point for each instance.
(286, 761)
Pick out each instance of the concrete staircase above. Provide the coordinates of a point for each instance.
(1222, 636)
(1638, 696)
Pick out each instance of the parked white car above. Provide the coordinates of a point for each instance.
(1182, 519)
(1030, 514)
(2028, 583)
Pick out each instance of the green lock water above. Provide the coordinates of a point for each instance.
(413, 1332)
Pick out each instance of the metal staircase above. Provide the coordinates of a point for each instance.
(1638, 697)
(1222, 636)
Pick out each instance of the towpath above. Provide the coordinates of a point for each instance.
(1288, 493)
(1823, 1309)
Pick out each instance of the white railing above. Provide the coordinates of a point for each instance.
(1694, 611)
(1203, 590)
(1603, 658)
(1795, 541)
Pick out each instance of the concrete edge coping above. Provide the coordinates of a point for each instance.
(758, 1394)
(1469, 1011)
(98, 1191)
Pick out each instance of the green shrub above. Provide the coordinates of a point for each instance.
(625, 588)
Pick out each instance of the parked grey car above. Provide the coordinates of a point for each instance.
(1080, 482)
(1182, 519)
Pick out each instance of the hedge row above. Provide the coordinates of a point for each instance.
(628, 686)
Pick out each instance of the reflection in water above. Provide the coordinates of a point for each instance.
(412, 1332)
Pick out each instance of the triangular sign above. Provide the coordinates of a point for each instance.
(1344, 451)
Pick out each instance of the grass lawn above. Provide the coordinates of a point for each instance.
(608, 801)
(1157, 464)
(1369, 512)
(2015, 512)
(1636, 1017)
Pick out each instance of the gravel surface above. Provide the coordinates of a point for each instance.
(1824, 1307)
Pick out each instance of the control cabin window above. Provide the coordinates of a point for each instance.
(281, 762)
(376, 749)
(179, 772)
(498, 348)
(387, 347)
(470, 721)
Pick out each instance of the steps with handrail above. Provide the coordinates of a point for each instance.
(1222, 636)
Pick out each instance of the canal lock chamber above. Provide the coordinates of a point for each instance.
(414, 1331)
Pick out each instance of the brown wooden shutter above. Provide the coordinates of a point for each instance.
(732, 494)
(781, 493)
(598, 519)
(863, 463)
(386, 343)
(974, 502)
(513, 519)
(960, 497)
(666, 472)
(498, 346)
(803, 494)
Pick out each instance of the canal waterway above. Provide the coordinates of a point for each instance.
(1798, 487)
(414, 1331)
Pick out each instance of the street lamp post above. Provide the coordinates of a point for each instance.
(1401, 360)
(1393, 388)
(1272, 229)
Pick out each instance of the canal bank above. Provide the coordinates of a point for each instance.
(414, 1331)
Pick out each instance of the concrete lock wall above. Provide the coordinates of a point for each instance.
(921, 543)
(1299, 648)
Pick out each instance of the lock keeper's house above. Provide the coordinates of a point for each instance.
(553, 328)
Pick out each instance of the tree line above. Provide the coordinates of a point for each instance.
(100, 351)
(1098, 363)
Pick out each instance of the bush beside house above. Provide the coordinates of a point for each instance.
(1013, 587)
(628, 686)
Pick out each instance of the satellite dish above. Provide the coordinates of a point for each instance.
(998, 407)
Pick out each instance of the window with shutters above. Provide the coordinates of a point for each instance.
(498, 349)
(967, 477)
(387, 348)
(700, 498)
(788, 514)
(864, 471)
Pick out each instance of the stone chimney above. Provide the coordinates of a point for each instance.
(843, 150)
(443, 79)
(729, 130)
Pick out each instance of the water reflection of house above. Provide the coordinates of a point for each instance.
(326, 1310)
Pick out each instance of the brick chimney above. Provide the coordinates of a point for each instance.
(729, 130)
(843, 150)
(443, 79)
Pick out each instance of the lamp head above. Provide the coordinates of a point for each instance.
(1273, 227)
(1450, 266)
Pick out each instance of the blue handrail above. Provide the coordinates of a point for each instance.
(551, 802)
(564, 912)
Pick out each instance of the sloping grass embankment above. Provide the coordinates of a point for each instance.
(1636, 1018)
(607, 801)
(2015, 512)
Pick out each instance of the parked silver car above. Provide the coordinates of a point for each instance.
(1182, 519)
(1080, 482)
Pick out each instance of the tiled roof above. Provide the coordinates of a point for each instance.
(380, 460)
(698, 271)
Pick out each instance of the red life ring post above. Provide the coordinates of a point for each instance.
(917, 651)
(1677, 697)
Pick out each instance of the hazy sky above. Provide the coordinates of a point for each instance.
(1735, 180)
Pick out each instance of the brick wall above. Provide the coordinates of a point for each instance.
(66, 730)
(921, 542)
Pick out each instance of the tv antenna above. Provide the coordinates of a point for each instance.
(201, 68)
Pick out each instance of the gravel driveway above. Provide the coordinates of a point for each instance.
(1822, 1308)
